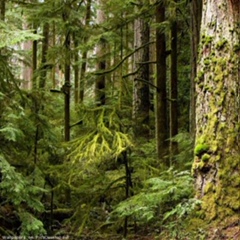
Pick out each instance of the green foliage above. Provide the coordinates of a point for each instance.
(172, 188)
(12, 36)
(102, 139)
(31, 226)
(24, 196)
(183, 159)
(10, 133)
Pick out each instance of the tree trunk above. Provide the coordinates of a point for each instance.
(53, 73)
(34, 59)
(173, 108)
(76, 70)
(84, 54)
(196, 15)
(101, 64)
(141, 102)
(2, 10)
(161, 94)
(43, 73)
(66, 87)
(217, 149)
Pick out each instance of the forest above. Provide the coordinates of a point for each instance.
(120, 119)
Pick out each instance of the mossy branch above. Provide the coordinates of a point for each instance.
(147, 82)
(123, 60)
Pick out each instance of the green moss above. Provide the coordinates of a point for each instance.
(207, 61)
(236, 48)
(209, 187)
(222, 62)
(200, 149)
(205, 157)
(206, 39)
(219, 77)
(221, 44)
(200, 77)
(214, 146)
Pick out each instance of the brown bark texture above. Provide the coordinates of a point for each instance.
(196, 15)
(101, 64)
(217, 149)
(141, 102)
(162, 133)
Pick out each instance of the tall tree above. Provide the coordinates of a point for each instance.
(161, 94)
(196, 14)
(173, 108)
(2, 10)
(84, 54)
(217, 150)
(141, 101)
(101, 61)
(67, 72)
(44, 67)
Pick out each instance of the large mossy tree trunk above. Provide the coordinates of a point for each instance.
(217, 149)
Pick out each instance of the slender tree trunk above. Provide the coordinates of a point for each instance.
(217, 149)
(53, 45)
(27, 73)
(161, 94)
(84, 54)
(173, 106)
(76, 70)
(196, 15)
(34, 60)
(66, 86)
(66, 89)
(44, 67)
(141, 103)
(2, 10)
(101, 64)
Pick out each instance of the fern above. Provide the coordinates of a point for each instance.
(17, 190)
(171, 188)
(11, 133)
(31, 226)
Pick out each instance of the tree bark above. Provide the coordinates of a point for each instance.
(196, 15)
(2, 10)
(141, 101)
(84, 54)
(173, 106)
(101, 64)
(76, 70)
(161, 93)
(34, 59)
(217, 149)
(44, 67)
